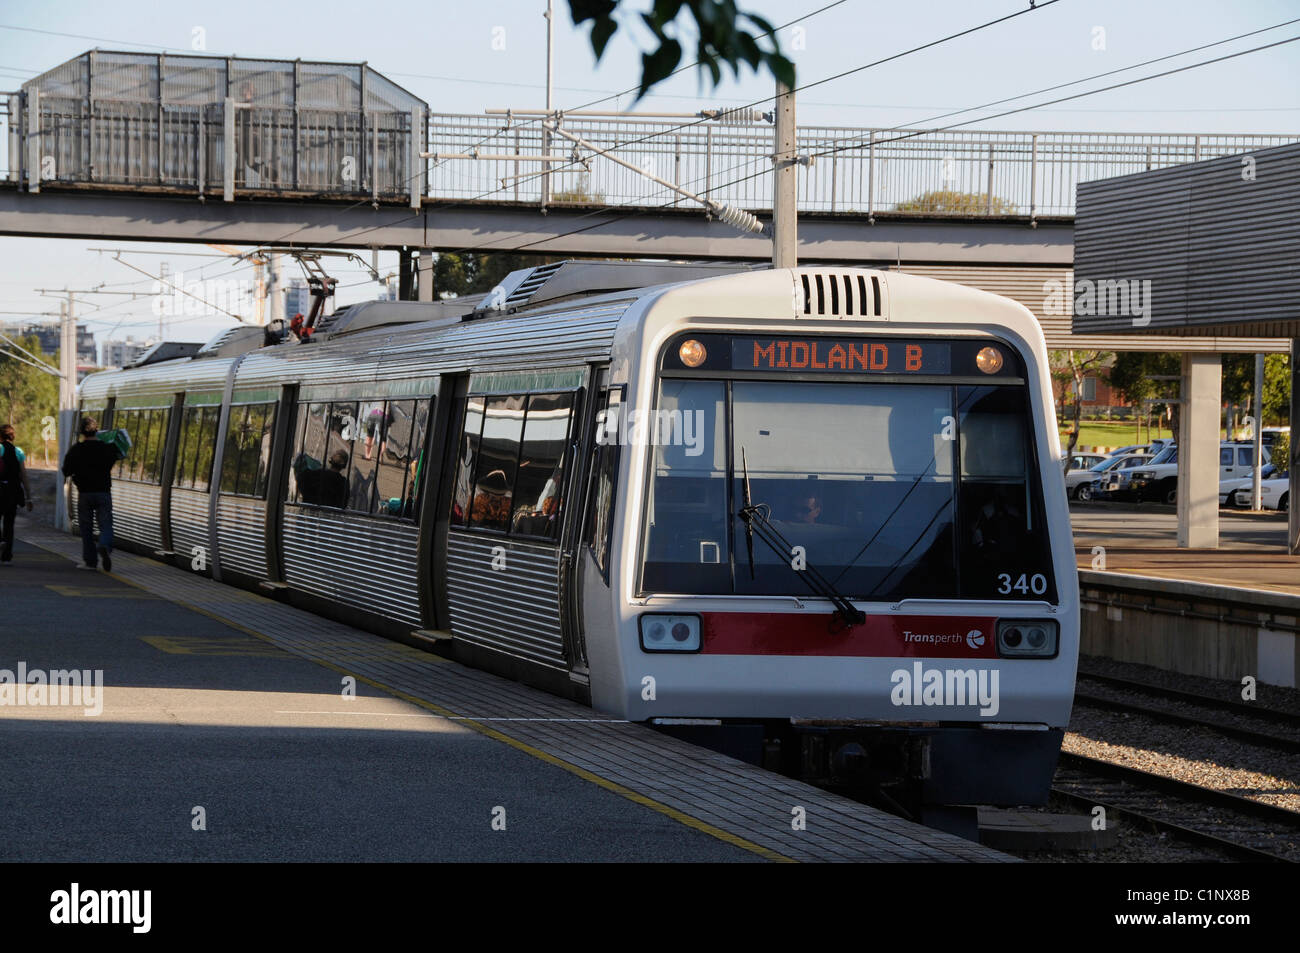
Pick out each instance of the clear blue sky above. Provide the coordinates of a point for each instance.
(444, 53)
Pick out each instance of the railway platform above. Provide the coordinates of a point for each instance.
(232, 727)
(1230, 613)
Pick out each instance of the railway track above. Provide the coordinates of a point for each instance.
(1272, 719)
(1242, 828)
(1282, 719)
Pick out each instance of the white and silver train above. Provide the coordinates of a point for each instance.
(811, 516)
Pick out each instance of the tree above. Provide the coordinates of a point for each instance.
(28, 394)
(960, 203)
(467, 273)
(1073, 367)
(721, 38)
(581, 193)
(1132, 375)
(1239, 385)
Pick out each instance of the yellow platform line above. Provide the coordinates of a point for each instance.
(614, 787)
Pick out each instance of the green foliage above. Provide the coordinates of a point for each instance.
(722, 31)
(1132, 371)
(961, 203)
(467, 273)
(27, 396)
(581, 193)
(1239, 384)
(1280, 454)
(1070, 368)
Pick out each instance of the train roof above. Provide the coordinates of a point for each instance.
(564, 312)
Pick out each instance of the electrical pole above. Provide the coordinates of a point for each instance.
(1256, 496)
(785, 224)
(67, 399)
(68, 354)
(550, 89)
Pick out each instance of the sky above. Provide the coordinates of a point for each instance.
(467, 57)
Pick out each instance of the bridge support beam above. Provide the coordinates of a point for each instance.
(424, 284)
(650, 233)
(1198, 452)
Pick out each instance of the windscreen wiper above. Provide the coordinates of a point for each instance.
(758, 523)
(749, 528)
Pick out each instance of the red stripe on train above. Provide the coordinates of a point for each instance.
(913, 636)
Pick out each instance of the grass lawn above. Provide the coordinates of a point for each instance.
(1095, 433)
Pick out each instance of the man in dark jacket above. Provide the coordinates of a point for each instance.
(90, 465)
(14, 491)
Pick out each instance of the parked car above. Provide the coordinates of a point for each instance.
(1159, 479)
(1083, 461)
(1268, 436)
(1228, 488)
(1086, 485)
(1135, 448)
(1274, 494)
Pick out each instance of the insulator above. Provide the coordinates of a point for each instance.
(738, 218)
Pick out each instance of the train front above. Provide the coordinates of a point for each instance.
(843, 542)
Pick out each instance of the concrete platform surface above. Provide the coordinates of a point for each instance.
(225, 734)
(1141, 539)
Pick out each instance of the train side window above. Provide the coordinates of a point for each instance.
(418, 459)
(250, 447)
(467, 456)
(333, 490)
(498, 460)
(540, 486)
(148, 431)
(395, 447)
(140, 471)
(206, 454)
(183, 474)
(264, 450)
(604, 474)
(230, 454)
(247, 454)
(157, 444)
(125, 420)
(368, 439)
(309, 454)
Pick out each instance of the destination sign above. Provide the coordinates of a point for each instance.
(841, 355)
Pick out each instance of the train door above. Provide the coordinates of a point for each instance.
(435, 518)
(586, 549)
(170, 451)
(286, 426)
(582, 447)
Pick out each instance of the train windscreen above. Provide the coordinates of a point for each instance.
(888, 490)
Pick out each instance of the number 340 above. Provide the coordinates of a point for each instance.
(1037, 583)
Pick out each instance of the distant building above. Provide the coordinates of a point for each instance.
(122, 353)
(49, 333)
(297, 299)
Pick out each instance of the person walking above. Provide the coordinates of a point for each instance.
(90, 465)
(14, 491)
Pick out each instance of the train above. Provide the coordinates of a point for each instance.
(809, 516)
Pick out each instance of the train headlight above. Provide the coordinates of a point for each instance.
(670, 633)
(989, 360)
(1028, 638)
(692, 353)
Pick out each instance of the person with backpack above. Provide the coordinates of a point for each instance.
(90, 465)
(14, 491)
